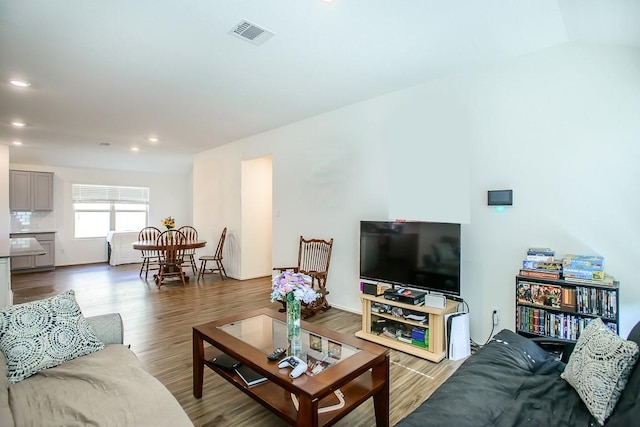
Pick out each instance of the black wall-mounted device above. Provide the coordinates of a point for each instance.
(500, 197)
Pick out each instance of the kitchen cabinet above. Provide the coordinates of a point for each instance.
(36, 262)
(30, 191)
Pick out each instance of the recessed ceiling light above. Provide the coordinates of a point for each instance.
(153, 139)
(20, 83)
(18, 124)
(17, 143)
(135, 149)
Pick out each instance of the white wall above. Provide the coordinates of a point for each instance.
(169, 195)
(558, 127)
(561, 128)
(6, 296)
(327, 175)
(5, 219)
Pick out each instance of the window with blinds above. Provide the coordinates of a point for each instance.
(100, 208)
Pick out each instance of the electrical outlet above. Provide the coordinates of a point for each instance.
(496, 316)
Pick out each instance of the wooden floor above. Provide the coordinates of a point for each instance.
(158, 324)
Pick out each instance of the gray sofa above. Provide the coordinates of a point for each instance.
(512, 381)
(105, 388)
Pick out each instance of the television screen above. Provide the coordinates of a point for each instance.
(422, 255)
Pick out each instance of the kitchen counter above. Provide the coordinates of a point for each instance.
(44, 257)
(27, 231)
(25, 246)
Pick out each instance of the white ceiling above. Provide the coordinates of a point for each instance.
(119, 71)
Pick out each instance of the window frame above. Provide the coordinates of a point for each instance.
(114, 198)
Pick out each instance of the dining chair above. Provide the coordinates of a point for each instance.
(171, 249)
(149, 257)
(191, 234)
(217, 258)
(314, 256)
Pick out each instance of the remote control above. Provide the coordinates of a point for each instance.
(299, 367)
(276, 353)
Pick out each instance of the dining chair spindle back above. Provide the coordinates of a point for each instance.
(150, 258)
(217, 259)
(171, 243)
(192, 235)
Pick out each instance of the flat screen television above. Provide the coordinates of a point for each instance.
(413, 254)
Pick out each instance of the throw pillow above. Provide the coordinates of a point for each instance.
(43, 334)
(599, 368)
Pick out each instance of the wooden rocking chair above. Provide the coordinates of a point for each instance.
(314, 256)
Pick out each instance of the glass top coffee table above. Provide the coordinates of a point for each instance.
(344, 371)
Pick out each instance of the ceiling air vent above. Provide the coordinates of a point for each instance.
(251, 33)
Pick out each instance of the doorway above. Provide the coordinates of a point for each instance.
(256, 217)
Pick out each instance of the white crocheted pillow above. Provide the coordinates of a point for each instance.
(43, 334)
(599, 367)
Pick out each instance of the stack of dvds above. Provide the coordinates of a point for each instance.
(541, 263)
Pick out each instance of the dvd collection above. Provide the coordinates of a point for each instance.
(556, 325)
(581, 300)
(576, 292)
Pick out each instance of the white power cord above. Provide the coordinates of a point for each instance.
(338, 405)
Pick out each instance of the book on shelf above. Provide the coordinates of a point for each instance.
(597, 301)
(583, 262)
(557, 325)
(540, 294)
(568, 299)
(607, 281)
(554, 275)
(226, 362)
(546, 258)
(546, 295)
(541, 251)
(555, 265)
(523, 292)
(575, 273)
(249, 376)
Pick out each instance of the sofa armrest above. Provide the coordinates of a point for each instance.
(556, 346)
(107, 327)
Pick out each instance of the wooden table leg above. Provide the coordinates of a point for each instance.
(381, 398)
(198, 364)
(307, 412)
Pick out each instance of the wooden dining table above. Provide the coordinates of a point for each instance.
(153, 245)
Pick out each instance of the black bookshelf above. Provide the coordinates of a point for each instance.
(561, 309)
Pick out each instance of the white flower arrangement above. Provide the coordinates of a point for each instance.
(288, 286)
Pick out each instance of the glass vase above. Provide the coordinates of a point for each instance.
(293, 327)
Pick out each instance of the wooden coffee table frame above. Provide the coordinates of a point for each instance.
(362, 375)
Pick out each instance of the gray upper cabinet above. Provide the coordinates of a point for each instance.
(30, 191)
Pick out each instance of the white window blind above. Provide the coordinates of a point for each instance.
(83, 193)
(101, 208)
